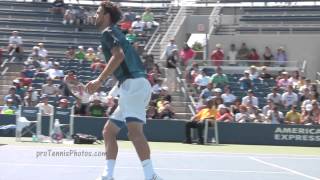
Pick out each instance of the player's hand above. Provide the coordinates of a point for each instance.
(93, 86)
(110, 101)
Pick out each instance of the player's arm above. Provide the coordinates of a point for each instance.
(114, 62)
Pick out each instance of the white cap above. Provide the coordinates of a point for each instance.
(222, 106)
(218, 90)
(165, 88)
(308, 107)
(16, 81)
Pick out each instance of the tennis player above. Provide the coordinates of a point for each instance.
(133, 88)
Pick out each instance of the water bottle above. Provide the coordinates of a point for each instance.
(57, 132)
(34, 138)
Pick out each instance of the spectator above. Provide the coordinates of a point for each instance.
(164, 94)
(307, 84)
(293, 117)
(20, 90)
(63, 103)
(232, 55)
(305, 95)
(15, 43)
(152, 112)
(148, 18)
(100, 54)
(267, 107)
(170, 47)
(15, 98)
(235, 107)
(137, 25)
(265, 74)
(281, 57)
(253, 73)
(80, 108)
(228, 97)
(165, 109)
(284, 82)
(245, 81)
(275, 116)
(43, 53)
(256, 115)
(96, 108)
(243, 115)
(219, 79)
(243, 54)
(55, 72)
(206, 93)
(267, 56)
(148, 62)
(223, 114)
(9, 108)
(294, 79)
(131, 36)
(58, 7)
(129, 14)
(45, 64)
(80, 54)
(254, 57)
(310, 117)
(80, 17)
(201, 81)
(171, 79)
(90, 56)
(90, 15)
(197, 121)
(31, 98)
(34, 57)
(217, 56)
(97, 65)
(314, 91)
(186, 55)
(154, 74)
(70, 53)
(156, 89)
(45, 108)
(250, 99)
(49, 88)
(192, 72)
(275, 97)
(289, 98)
(125, 24)
(68, 17)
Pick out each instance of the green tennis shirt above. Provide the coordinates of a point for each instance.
(131, 66)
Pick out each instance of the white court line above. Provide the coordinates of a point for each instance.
(132, 167)
(284, 168)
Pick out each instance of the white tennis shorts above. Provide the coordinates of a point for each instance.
(134, 95)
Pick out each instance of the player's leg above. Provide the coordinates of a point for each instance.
(136, 136)
(110, 132)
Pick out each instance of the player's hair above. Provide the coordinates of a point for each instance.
(112, 9)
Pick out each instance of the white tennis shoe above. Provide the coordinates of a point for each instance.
(104, 178)
(155, 177)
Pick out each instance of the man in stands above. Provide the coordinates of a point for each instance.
(284, 82)
(90, 56)
(49, 88)
(201, 81)
(45, 107)
(250, 99)
(129, 14)
(219, 79)
(55, 72)
(170, 47)
(97, 65)
(197, 121)
(206, 93)
(137, 25)
(274, 96)
(243, 54)
(80, 54)
(228, 97)
(245, 81)
(289, 98)
(96, 108)
(148, 18)
(217, 56)
(16, 99)
(9, 108)
(275, 116)
(43, 53)
(70, 53)
(15, 43)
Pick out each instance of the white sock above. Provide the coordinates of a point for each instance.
(109, 168)
(148, 168)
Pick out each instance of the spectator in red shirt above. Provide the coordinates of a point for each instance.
(125, 24)
(217, 56)
(224, 114)
(254, 57)
(98, 65)
(186, 55)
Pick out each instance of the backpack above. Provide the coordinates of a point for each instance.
(80, 138)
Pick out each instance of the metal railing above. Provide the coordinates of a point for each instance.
(172, 30)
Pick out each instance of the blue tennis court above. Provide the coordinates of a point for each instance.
(86, 163)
